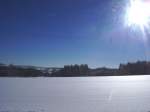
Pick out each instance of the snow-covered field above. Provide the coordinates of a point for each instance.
(77, 94)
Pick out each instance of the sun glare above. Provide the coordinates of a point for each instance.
(138, 13)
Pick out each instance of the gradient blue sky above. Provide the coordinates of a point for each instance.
(60, 32)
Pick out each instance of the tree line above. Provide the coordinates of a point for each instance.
(136, 68)
(16, 71)
(73, 70)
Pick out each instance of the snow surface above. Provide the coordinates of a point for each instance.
(76, 94)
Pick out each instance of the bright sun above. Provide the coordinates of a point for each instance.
(138, 13)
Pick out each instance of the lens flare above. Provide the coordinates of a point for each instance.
(138, 13)
(137, 17)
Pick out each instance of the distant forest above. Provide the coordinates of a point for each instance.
(136, 68)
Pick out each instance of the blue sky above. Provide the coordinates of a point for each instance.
(60, 32)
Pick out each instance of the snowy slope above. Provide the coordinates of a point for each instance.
(77, 94)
